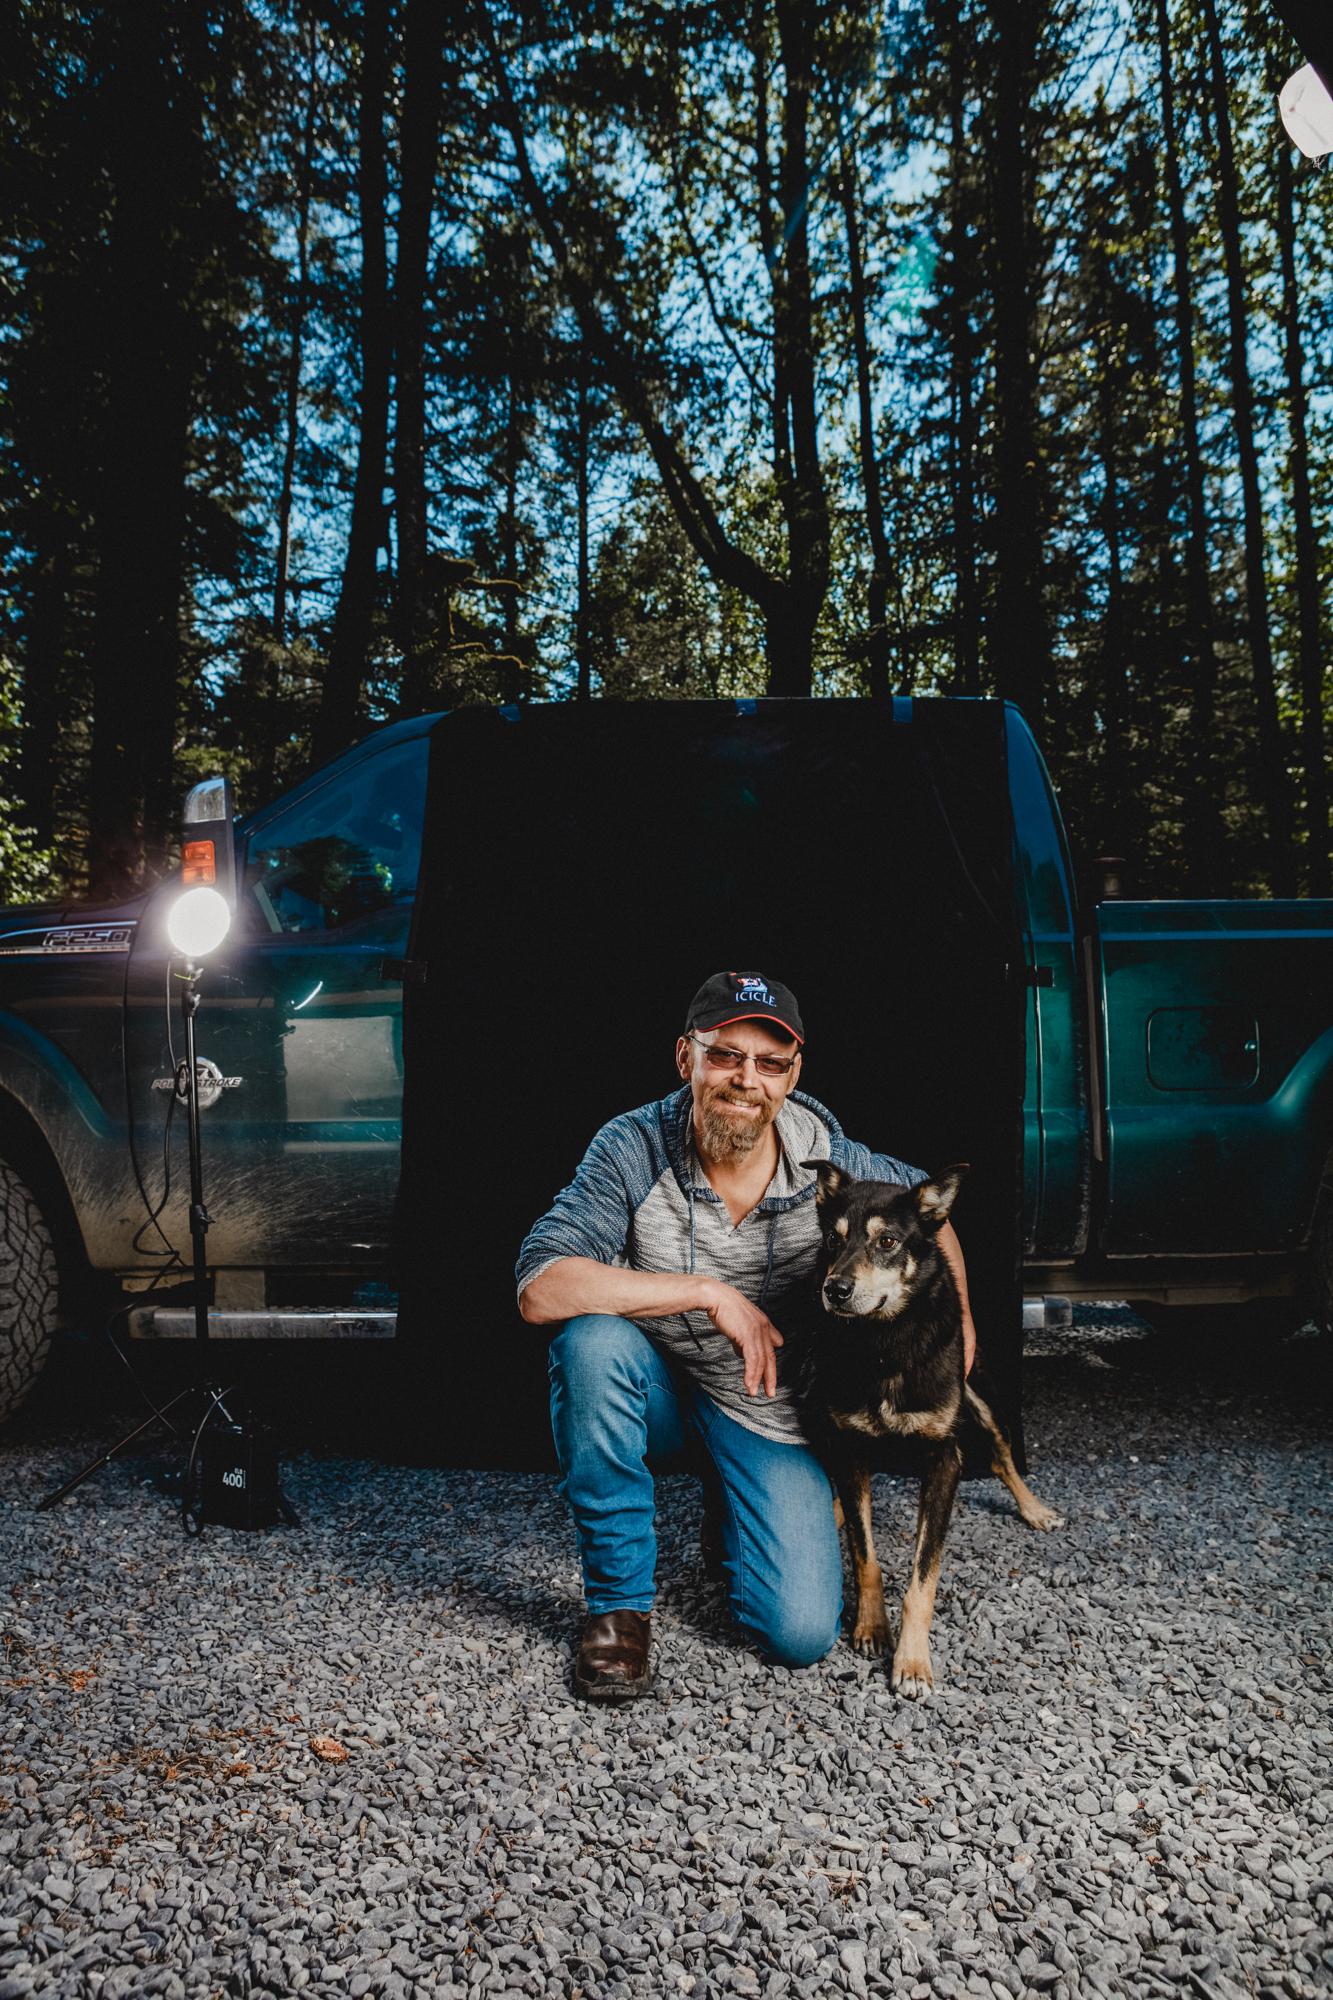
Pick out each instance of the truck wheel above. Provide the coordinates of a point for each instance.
(29, 1289)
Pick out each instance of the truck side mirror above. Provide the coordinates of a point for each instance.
(208, 848)
(200, 916)
(1109, 878)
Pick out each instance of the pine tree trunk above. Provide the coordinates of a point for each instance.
(1313, 747)
(300, 302)
(420, 146)
(582, 445)
(877, 592)
(1204, 856)
(1272, 759)
(354, 618)
(962, 359)
(266, 759)
(1117, 760)
(142, 503)
(804, 499)
(1018, 649)
(770, 240)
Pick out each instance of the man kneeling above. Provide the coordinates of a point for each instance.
(688, 1236)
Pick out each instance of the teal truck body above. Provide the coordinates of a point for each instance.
(1178, 1116)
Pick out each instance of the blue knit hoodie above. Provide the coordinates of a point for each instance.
(640, 1200)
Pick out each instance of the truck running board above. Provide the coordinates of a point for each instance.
(1046, 1312)
(171, 1323)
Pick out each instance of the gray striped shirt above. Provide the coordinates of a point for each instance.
(640, 1200)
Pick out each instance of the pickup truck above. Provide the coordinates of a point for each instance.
(1178, 1113)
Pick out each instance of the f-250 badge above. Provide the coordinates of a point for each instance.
(209, 1078)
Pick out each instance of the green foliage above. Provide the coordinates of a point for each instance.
(28, 873)
(646, 368)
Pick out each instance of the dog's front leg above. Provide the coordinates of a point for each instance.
(939, 1483)
(870, 1634)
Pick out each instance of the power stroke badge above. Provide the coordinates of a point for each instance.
(208, 1078)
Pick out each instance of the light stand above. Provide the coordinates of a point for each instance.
(240, 1472)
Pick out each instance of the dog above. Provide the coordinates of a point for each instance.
(884, 1358)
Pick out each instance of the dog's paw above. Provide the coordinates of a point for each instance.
(912, 1676)
(1042, 1517)
(870, 1636)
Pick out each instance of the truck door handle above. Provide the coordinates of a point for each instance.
(403, 971)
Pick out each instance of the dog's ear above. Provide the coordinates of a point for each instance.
(831, 1181)
(935, 1198)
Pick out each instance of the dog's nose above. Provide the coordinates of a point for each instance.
(838, 1290)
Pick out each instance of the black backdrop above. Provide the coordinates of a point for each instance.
(585, 870)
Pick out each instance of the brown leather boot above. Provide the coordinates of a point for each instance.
(612, 1663)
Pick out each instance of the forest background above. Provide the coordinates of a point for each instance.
(360, 359)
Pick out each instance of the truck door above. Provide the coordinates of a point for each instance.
(301, 1023)
(1056, 1142)
(1209, 1014)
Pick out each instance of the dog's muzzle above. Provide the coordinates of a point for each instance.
(838, 1292)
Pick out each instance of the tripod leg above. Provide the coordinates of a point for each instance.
(120, 1444)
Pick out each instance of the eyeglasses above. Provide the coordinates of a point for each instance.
(737, 1058)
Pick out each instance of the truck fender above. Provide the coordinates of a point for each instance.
(57, 1135)
(1302, 1109)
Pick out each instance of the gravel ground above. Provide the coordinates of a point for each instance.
(1120, 1785)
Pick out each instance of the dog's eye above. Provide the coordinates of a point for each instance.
(832, 1240)
(887, 1243)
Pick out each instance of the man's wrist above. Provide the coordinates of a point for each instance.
(708, 1294)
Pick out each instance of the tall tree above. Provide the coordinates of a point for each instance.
(789, 600)
(419, 148)
(300, 306)
(349, 645)
(1019, 647)
(1203, 827)
(877, 593)
(152, 113)
(1272, 759)
(1309, 647)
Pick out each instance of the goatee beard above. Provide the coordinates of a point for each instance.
(726, 1137)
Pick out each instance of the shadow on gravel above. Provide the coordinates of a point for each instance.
(348, 1401)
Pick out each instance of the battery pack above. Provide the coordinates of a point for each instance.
(240, 1477)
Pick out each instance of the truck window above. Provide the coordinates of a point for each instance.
(349, 851)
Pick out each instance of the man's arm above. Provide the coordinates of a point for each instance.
(953, 1253)
(574, 1285)
(582, 1285)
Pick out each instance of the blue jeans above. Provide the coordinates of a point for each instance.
(615, 1403)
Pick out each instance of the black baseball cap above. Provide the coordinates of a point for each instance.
(744, 996)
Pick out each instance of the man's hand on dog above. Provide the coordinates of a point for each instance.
(752, 1332)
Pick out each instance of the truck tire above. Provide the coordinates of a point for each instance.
(29, 1290)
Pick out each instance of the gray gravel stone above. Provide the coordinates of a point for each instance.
(1118, 1787)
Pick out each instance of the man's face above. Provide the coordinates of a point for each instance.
(733, 1108)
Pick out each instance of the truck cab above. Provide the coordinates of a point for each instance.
(1177, 1117)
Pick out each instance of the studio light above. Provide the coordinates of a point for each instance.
(1307, 112)
(238, 1463)
(198, 921)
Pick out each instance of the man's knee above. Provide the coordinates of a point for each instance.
(794, 1640)
(595, 1347)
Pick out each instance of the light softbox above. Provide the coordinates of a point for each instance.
(586, 867)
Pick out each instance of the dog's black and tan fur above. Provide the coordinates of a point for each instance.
(885, 1359)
